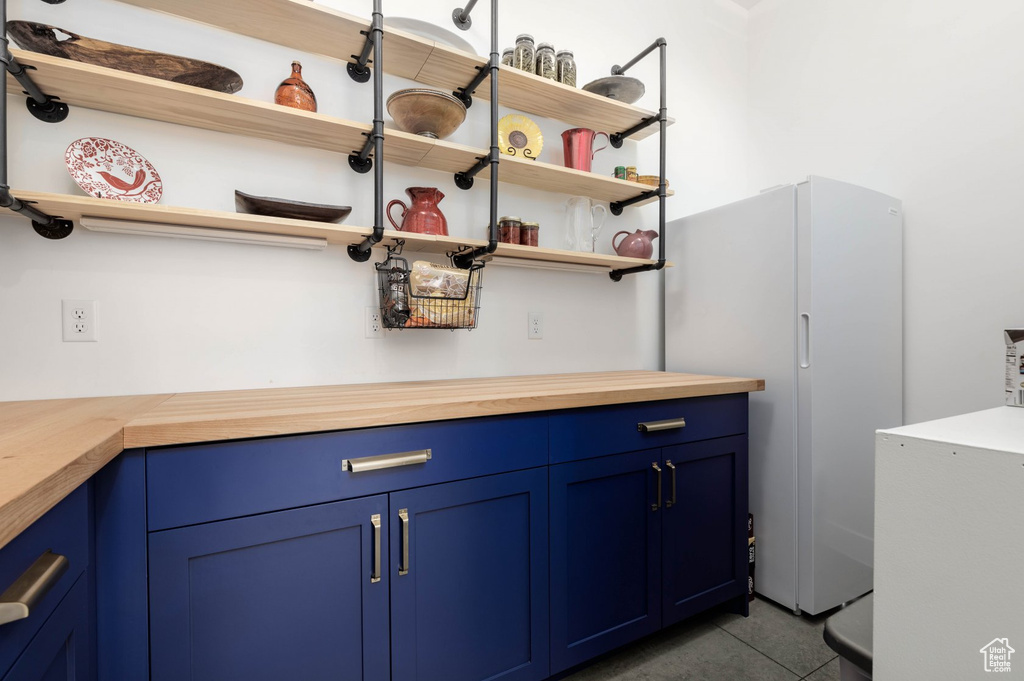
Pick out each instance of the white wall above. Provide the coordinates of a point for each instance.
(920, 99)
(183, 316)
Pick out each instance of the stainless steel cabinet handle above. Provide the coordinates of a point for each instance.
(375, 463)
(403, 520)
(672, 467)
(17, 601)
(654, 426)
(657, 497)
(375, 521)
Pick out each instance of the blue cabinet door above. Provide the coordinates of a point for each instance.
(285, 595)
(469, 580)
(605, 555)
(60, 651)
(705, 531)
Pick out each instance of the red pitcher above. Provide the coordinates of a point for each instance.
(423, 216)
(578, 144)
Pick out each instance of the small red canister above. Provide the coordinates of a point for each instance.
(508, 229)
(529, 233)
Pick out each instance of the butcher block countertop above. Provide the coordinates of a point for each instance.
(50, 447)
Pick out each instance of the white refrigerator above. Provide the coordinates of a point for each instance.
(802, 286)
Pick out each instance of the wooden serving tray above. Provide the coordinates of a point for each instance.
(58, 42)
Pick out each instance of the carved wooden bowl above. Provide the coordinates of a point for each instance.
(430, 113)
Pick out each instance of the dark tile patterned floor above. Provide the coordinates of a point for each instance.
(770, 645)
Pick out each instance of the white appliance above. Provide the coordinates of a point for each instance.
(801, 285)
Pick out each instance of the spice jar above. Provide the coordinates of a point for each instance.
(566, 67)
(524, 55)
(506, 56)
(545, 66)
(508, 229)
(529, 233)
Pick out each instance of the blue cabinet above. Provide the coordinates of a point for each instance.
(510, 548)
(62, 649)
(55, 640)
(299, 594)
(605, 555)
(644, 539)
(469, 580)
(704, 545)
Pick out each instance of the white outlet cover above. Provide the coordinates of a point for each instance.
(535, 326)
(78, 321)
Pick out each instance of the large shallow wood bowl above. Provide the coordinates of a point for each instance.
(430, 113)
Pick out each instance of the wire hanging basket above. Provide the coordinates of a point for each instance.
(426, 295)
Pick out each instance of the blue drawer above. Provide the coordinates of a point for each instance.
(599, 431)
(63, 530)
(199, 483)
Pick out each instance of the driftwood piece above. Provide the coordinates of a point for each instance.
(58, 42)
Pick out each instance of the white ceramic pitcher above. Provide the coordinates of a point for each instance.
(582, 223)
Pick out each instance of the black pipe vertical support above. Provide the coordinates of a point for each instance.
(46, 225)
(616, 275)
(465, 260)
(361, 252)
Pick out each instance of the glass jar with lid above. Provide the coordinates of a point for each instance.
(529, 233)
(525, 53)
(508, 229)
(566, 66)
(506, 56)
(545, 66)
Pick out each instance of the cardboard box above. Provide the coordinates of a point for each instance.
(1014, 367)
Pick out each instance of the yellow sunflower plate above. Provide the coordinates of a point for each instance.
(519, 136)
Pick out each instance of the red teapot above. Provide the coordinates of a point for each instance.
(636, 245)
(422, 216)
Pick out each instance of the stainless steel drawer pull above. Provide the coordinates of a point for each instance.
(657, 496)
(672, 467)
(376, 463)
(403, 520)
(17, 601)
(375, 521)
(655, 426)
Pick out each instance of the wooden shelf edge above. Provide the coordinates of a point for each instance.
(75, 207)
(115, 91)
(328, 32)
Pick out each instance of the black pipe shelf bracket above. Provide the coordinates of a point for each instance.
(616, 141)
(44, 107)
(461, 18)
(359, 70)
(361, 161)
(465, 94)
(464, 180)
(459, 15)
(468, 259)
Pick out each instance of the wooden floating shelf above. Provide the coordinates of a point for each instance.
(75, 207)
(310, 27)
(96, 87)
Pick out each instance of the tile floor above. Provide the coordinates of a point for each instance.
(770, 645)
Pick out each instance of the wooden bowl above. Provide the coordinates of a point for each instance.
(430, 113)
(285, 208)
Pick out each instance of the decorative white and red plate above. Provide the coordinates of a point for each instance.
(110, 170)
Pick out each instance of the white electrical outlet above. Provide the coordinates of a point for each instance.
(79, 320)
(374, 326)
(535, 326)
